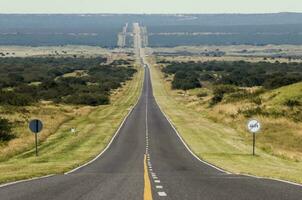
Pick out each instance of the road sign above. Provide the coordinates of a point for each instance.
(254, 126)
(36, 126)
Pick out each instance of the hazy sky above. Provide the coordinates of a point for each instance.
(149, 6)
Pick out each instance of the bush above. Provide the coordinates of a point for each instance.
(250, 112)
(202, 94)
(185, 80)
(257, 100)
(224, 89)
(216, 99)
(15, 99)
(5, 130)
(219, 92)
(88, 99)
(292, 103)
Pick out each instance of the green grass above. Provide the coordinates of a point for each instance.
(219, 144)
(64, 151)
(280, 95)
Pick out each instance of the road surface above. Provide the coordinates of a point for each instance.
(147, 160)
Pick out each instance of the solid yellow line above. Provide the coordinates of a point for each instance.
(147, 186)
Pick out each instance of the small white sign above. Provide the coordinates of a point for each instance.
(73, 130)
(253, 126)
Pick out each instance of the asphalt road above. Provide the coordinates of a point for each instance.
(174, 173)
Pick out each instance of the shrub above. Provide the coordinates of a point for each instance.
(216, 99)
(5, 130)
(292, 103)
(250, 112)
(257, 100)
(88, 99)
(15, 99)
(219, 92)
(202, 94)
(185, 80)
(224, 89)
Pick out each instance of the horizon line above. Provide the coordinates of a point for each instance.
(155, 13)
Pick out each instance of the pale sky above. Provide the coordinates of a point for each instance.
(150, 6)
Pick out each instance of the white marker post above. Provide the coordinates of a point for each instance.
(254, 127)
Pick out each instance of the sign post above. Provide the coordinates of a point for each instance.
(36, 126)
(254, 127)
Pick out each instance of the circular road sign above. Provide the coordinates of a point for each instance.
(253, 126)
(35, 125)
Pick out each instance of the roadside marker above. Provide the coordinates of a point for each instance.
(254, 126)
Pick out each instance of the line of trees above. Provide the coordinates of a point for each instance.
(188, 75)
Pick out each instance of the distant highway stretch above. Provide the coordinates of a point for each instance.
(148, 160)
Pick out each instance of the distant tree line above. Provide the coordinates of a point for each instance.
(189, 75)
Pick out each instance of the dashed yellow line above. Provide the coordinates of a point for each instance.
(147, 186)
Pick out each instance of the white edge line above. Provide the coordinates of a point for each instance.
(114, 136)
(219, 169)
(272, 179)
(25, 180)
(181, 139)
(112, 139)
(73, 170)
(187, 147)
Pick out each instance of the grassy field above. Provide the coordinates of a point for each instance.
(63, 150)
(218, 143)
(278, 96)
(53, 115)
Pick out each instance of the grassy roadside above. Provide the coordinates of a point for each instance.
(63, 151)
(219, 144)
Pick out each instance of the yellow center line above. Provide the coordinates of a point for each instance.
(147, 186)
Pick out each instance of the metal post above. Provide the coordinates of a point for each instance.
(36, 138)
(254, 141)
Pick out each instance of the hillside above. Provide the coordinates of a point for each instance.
(281, 95)
(227, 97)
